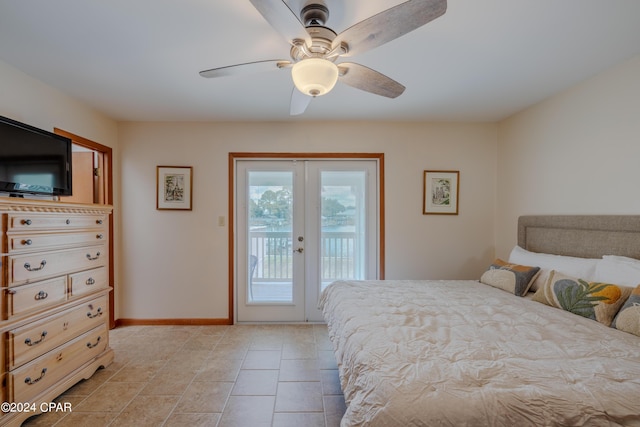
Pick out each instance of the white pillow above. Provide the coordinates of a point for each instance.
(584, 268)
(619, 270)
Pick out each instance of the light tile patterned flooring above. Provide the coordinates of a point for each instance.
(242, 375)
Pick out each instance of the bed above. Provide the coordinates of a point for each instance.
(466, 353)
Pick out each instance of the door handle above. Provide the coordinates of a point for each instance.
(299, 250)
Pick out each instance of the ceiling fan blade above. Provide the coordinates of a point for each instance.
(282, 19)
(364, 78)
(299, 102)
(389, 25)
(248, 68)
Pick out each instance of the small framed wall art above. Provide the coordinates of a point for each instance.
(174, 187)
(440, 192)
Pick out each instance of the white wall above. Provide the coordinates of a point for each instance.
(575, 153)
(30, 101)
(175, 264)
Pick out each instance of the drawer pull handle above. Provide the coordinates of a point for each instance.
(32, 343)
(41, 295)
(99, 221)
(99, 236)
(26, 222)
(90, 258)
(98, 313)
(28, 267)
(29, 381)
(94, 345)
(68, 221)
(27, 242)
(90, 281)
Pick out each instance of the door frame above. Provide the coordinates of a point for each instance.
(104, 194)
(234, 156)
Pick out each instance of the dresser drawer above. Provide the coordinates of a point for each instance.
(31, 267)
(37, 221)
(33, 378)
(33, 340)
(88, 281)
(23, 242)
(37, 296)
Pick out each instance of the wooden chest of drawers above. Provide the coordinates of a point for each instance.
(55, 308)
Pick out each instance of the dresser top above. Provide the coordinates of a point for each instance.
(17, 204)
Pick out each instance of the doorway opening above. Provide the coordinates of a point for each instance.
(297, 223)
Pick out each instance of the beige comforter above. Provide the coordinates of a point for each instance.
(460, 353)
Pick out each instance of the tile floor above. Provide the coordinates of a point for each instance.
(248, 375)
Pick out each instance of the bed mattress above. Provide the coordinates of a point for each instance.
(461, 353)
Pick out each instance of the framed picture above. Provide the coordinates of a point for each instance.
(174, 185)
(441, 192)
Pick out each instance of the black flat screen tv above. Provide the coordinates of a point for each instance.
(33, 161)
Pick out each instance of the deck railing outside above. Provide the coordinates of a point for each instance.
(274, 250)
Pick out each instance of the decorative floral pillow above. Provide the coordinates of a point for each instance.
(593, 300)
(628, 318)
(513, 278)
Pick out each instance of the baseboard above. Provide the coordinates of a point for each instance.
(165, 322)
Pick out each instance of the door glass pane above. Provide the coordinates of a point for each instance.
(270, 252)
(342, 236)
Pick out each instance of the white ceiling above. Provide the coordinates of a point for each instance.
(482, 61)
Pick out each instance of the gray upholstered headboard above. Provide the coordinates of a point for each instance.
(586, 236)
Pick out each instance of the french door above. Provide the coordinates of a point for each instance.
(301, 224)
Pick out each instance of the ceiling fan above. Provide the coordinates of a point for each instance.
(315, 48)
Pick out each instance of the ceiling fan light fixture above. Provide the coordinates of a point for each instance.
(314, 76)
